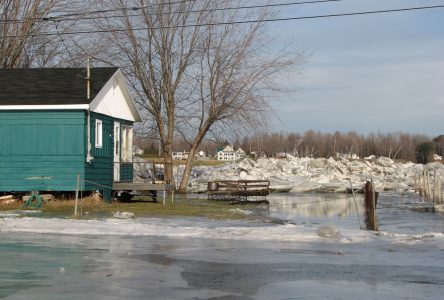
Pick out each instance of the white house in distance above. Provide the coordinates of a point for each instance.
(229, 154)
(181, 155)
(184, 155)
(137, 150)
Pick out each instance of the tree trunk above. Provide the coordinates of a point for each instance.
(168, 165)
(189, 164)
(187, 170)
(168, 160)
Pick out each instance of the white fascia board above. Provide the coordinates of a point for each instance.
(45, 107)
(115, 100)
(129, 99)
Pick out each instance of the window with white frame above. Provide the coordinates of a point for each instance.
(99, 133)
(127, 143)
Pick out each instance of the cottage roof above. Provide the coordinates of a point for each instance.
(66, 88)
(50, 86)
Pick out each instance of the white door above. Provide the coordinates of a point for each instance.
(116, 151)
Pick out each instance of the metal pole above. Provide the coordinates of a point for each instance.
(356, 205)
(375, 227)
(77, 194)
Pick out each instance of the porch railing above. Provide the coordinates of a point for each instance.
(137, 171)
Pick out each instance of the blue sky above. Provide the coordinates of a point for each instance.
(366, 73)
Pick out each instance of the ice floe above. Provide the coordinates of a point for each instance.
(317, 174)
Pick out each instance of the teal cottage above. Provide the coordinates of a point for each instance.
(59, 122)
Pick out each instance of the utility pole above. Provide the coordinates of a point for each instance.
(88, 78)
(89, 157)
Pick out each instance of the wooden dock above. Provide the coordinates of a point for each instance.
(239, 190)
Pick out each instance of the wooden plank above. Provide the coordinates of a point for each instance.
(240, 190)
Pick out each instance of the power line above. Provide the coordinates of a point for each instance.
(214, 9)
(272, 5)
(233, 22)
(48, 18)
(135, 8)
(60, 18)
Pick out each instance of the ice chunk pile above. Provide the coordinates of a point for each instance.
(317, 174)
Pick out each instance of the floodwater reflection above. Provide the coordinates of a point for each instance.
(314, 207)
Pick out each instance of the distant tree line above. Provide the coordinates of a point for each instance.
(402, 146)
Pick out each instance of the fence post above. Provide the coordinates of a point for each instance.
(370, 201)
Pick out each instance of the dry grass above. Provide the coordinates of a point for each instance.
(143, 207)
(61, 205)
(208, 163)
(196, 162)
(57, 204)
(10, 205)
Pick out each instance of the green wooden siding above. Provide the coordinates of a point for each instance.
(44, 151)
(100, 171)
(41, 150)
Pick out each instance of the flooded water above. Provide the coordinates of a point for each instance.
(314, 209)
(396, 213)
(284, 257)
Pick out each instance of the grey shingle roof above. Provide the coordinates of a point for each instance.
(50, 86)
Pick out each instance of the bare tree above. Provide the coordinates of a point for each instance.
(21, 25)
(193, 70)
(157, 49)
(235, 66)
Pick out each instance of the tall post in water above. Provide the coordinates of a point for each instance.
(420, 180)
(370, 201)
(439, 189)
(416, 183)
(428, 186)
(435, 187)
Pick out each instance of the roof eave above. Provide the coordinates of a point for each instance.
(46, 107)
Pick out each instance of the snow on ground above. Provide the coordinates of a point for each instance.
(205, 229)
(316, 174)
(177, 228)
